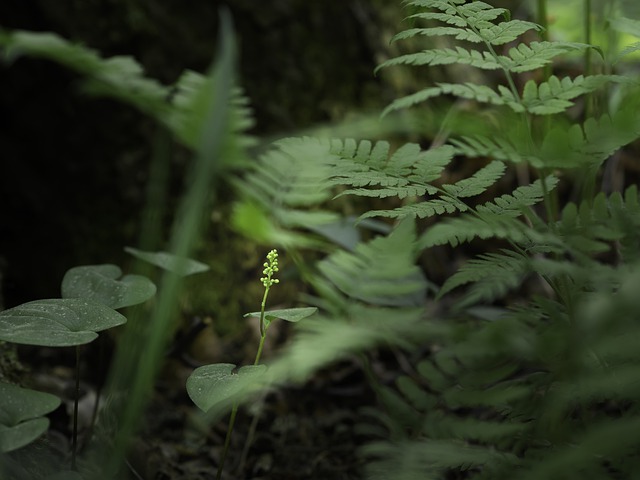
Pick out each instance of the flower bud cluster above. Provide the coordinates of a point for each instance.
(270, 268)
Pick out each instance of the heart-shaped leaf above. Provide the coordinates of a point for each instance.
(288, 314)
(178, 265)
(214, 388)
(21, 411)
(58, 322)
(100, 283)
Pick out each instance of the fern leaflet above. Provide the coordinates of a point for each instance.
(492, 274)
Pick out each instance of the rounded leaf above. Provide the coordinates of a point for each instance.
(214, 387)
(168, 261)
(102, 283)
(58, 322)
(21, 413)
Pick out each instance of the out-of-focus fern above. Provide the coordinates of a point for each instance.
(180, 107)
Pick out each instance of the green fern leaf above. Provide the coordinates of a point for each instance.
(482, 12)
(428, 459)
(522, 58)
(450, 18)
(506, 32)
(554, 95)
(407, 172)
(417, 395)
(449, 203)
(493, 147)
(446, 56)
(437, 206)
(464, 229)
(527, 57)
(492, 273)
(493, 219)
(590, 144)
(181, 107)
(478, 182)
(470, 91)
(473, 429)
(522, 197)
(458, 33)
(381, 272)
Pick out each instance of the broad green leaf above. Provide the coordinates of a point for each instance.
(58, 322)
(214, 388)
(21, 413)
(100, 283)
(288, 314)
(167, 261)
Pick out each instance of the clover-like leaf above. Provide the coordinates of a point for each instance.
(58, 322)
(21, 415)
(102, 284)
(168, 261)
(289, 314)
(215, 388)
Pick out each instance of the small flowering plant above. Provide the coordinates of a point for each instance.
(216, 388)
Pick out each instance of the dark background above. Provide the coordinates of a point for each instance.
(73, 168)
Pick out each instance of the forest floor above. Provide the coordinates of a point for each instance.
(307, 431)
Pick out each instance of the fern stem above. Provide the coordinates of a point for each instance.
(588, 67)
(543, 21)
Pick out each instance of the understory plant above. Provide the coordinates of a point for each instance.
(213, 387)
(525, 353)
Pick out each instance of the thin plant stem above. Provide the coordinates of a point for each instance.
(74, 438)
(588, 66)
(271, 267)
(227, 440)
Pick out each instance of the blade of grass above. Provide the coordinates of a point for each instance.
(143, 359)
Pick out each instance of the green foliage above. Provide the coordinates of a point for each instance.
(22, 415)
(525, 358)
(522, 390)
(181, 107)
(58, 322)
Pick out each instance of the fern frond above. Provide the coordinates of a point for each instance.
(475, 430)
(279, 189)
(469, 91)
(428, 459)
(381, 272)
(436, 206)
(466, 228)
(588, 145)
(522, 197)
(407, 172)
(527, 57)
(554, 95)
(458, 33)
(493, 219)
(478, 182)
(472, 22)
(495, 147)
(522, 58)
(180, 107)
(451, 194)
(492, 274)
(589, 229)
(445, 56)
